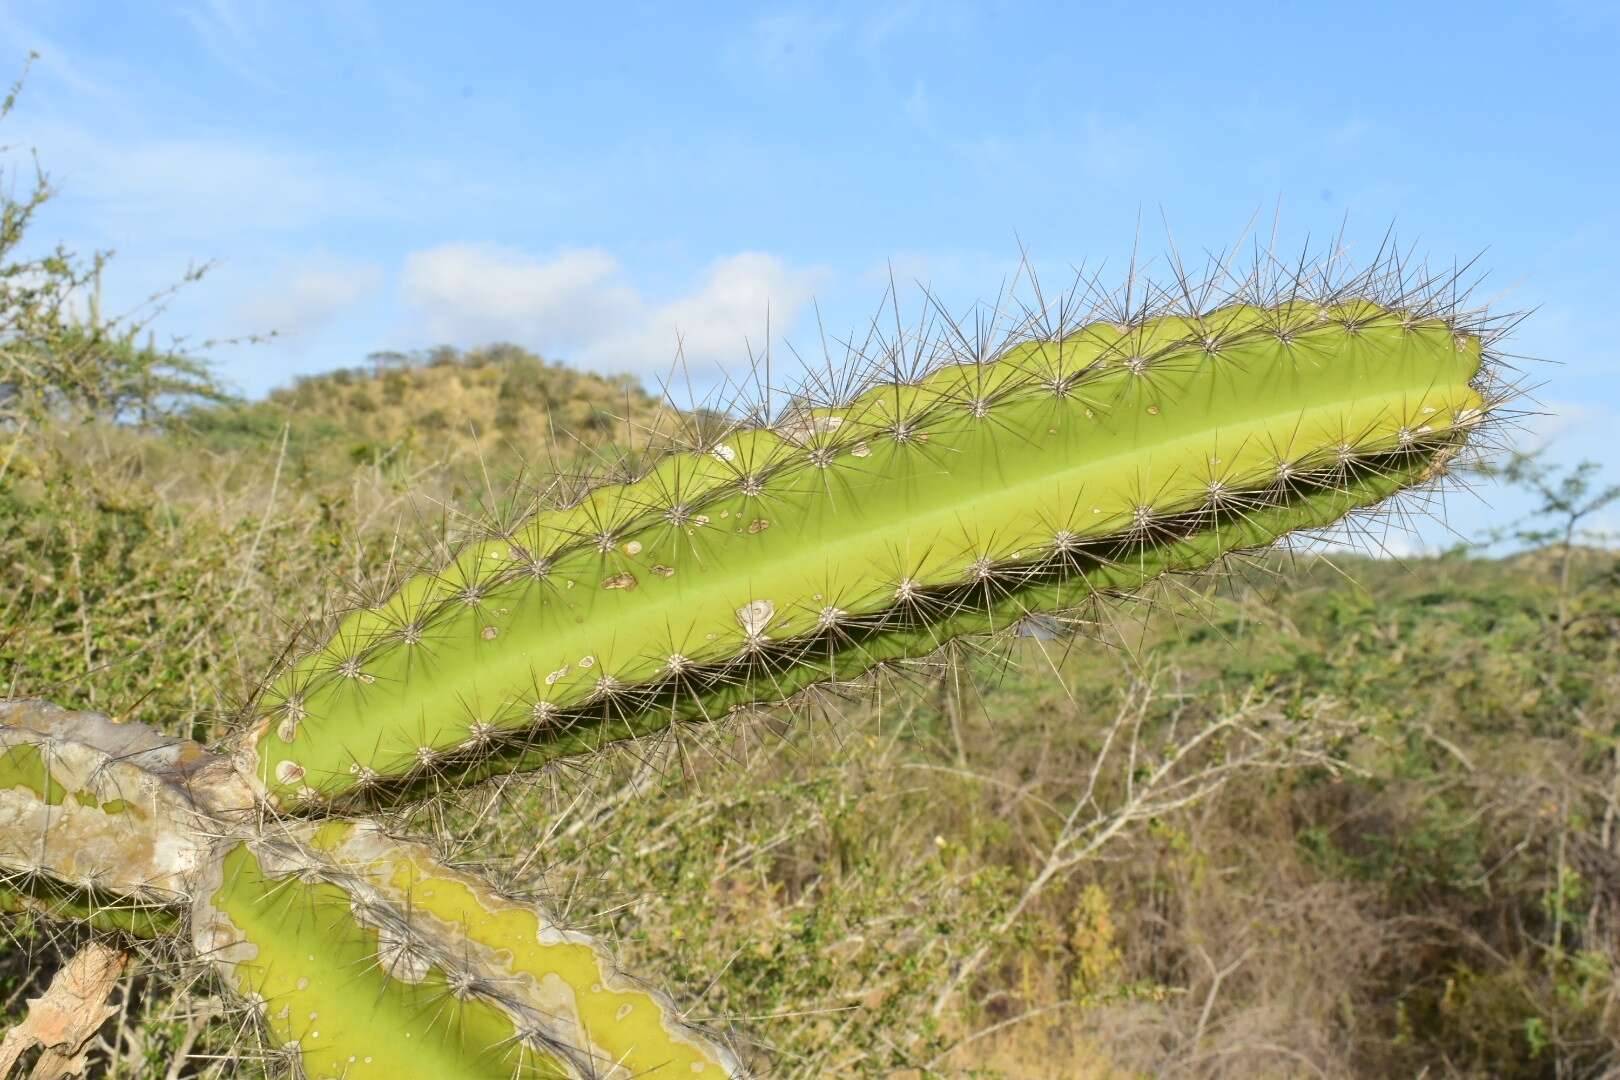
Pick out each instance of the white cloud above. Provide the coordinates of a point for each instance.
(308, 293)
(1560, 422)
(197, 186)
(482, 292)
(577, 305)
(233, 33)
(793, 41)
(716, 323)
(52, 60)
(885, 21)
(1399, 543)
(918, 106)
(1090, 146)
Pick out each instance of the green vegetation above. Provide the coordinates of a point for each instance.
(1446, 858)
(404, 411)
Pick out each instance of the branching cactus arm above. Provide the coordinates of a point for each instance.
(103, 818)
(960, 497)
(362, 953)
(375, 960)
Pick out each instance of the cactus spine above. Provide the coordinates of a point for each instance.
(1061, 469)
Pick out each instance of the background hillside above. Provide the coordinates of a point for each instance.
(1401, 858)
(452, 401)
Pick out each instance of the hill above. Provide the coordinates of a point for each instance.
(499, 400)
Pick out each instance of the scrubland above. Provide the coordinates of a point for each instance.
(1311, 816)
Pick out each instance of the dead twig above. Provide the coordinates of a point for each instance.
(67, 1015)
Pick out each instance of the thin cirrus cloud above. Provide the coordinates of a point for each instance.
(1579, 426)
(577, 305)
(784, 43)
(193, 189)
(306, 295)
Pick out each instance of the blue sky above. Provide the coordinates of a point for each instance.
(592, 182)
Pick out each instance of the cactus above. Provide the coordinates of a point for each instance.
(842, 537)
(964, 496)
(355, 936)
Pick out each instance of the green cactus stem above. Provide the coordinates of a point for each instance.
(37, 894)
(375, 960)
(848, 536)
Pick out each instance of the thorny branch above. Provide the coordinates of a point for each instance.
(1139, 776)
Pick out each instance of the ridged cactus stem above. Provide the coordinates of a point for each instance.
(376, 960)
(1062, 470)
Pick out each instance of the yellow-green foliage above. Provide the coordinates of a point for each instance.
(500, 403)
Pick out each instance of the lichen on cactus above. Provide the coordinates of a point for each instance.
(1065, 467)
(110, 809)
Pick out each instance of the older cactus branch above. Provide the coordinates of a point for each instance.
(114, 810)
(366, 956)
(349, 937)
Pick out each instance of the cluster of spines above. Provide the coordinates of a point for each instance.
(680, 489)
(37, 890)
